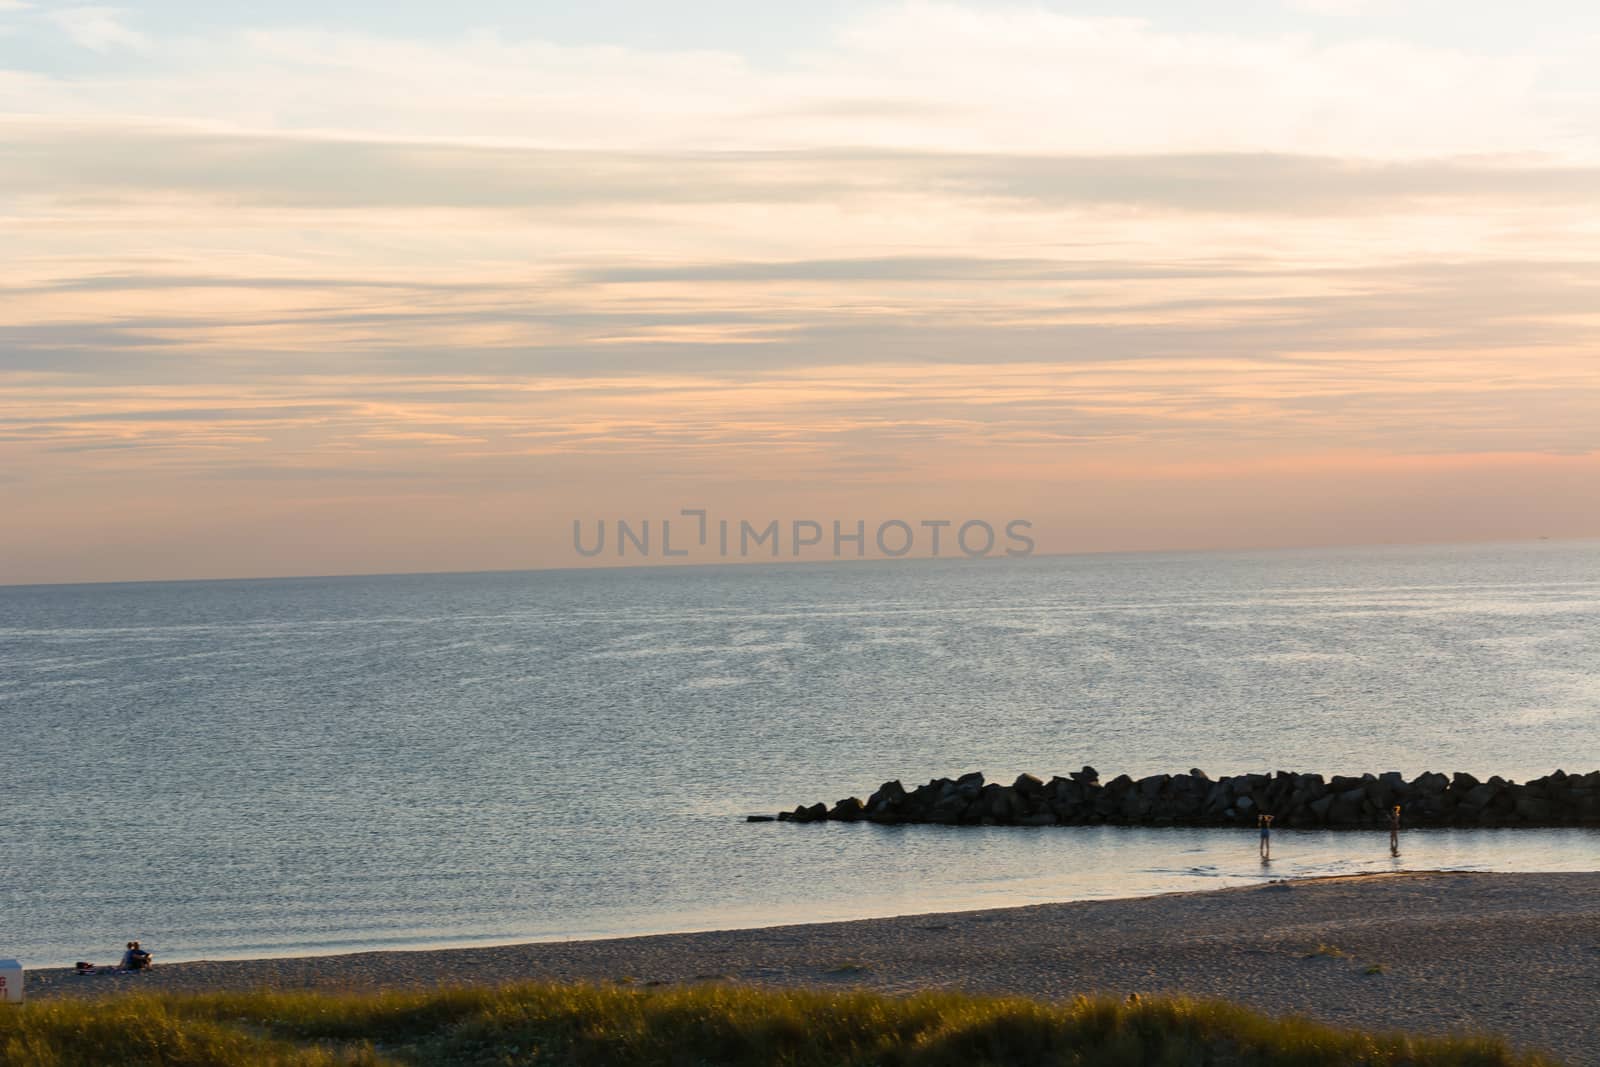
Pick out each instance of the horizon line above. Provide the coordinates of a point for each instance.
(741, 562)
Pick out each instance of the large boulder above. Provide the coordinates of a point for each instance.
(1154, 784)
(948, 810)
(887, 797)
(1348, 807)
(1534, 809)
(1028, 785)
(808, 813)
(850, 809)
(1430, 783)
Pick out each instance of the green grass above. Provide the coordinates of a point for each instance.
(581, 1025)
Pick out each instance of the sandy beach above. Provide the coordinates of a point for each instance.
(1517, 954)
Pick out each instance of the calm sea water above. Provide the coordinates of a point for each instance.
(281, 767)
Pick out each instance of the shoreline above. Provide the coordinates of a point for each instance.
(1431, 952)
(582, 937)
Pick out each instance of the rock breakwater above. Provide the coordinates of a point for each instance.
(1195, 799)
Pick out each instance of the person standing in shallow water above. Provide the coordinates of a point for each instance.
(1265, 822)
(1394, 830)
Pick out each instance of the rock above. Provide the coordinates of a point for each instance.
(1347, 807)
(848, 810)
(1065, 810)
(1307, 788)
(759, 818)
(1532, 808)
(1028, 785)
(948, 810)
(1377, 791)
(1430, 783)
(813, 813)
(1000, 803)
(887, 797)
(1154, 784)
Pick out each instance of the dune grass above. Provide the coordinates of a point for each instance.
(709, 1025)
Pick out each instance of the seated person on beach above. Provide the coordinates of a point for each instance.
(136, 958)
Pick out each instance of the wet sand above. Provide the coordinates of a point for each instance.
(1515, 954)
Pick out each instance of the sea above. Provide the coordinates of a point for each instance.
(239, 769)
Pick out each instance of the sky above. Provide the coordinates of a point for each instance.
(287, 289)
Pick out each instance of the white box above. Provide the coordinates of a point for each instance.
(10, 982)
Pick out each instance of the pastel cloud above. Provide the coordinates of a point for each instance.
(1337, 8)
(960, 254)
(923, 76)
(372, 176)
(100, 29)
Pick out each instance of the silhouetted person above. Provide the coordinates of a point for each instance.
(1265, 822)
(136, 958)
(1394, 830)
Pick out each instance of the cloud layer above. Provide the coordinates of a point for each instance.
(975, 255)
